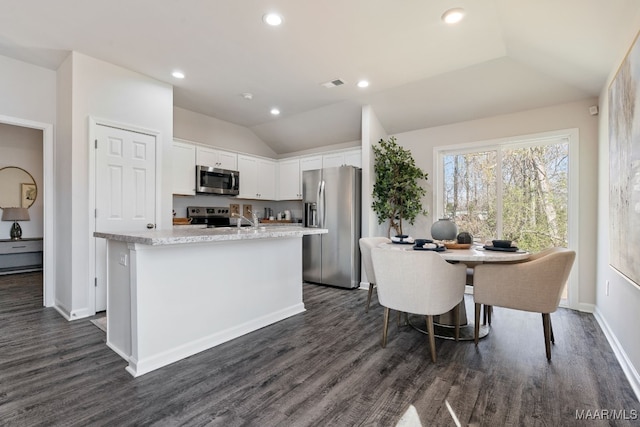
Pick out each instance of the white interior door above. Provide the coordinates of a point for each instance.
(125, 191)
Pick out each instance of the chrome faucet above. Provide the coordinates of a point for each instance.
(253, 223)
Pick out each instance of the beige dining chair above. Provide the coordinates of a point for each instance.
(418, 283)
(487, 309)
(535, 285)
(366, 244)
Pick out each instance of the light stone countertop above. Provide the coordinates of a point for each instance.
(180, 235)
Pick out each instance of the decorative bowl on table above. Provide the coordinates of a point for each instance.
(402, 239)
(502, 243)
(421, 242)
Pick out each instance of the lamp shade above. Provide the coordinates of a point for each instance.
(15, 214)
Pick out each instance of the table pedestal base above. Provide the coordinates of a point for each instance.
(448, 332)
(443, 325)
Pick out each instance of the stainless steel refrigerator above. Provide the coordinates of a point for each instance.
(332, 200)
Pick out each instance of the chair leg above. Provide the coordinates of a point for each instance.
(432, 338)
(456, 321)
(553, 340)
(486, 316)
(385, 327)
(369, 296)
(546, 325)
(476, 325)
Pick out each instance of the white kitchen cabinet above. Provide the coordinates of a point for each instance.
(216, 158)
(289, 180)
(184, 168)
(353, 158)
(349, 158)
(257, 178)
(310, 163)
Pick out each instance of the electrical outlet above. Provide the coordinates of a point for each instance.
(234, 208)
(606, 288)
(246, 211)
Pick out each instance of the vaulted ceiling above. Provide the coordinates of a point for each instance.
(505, 56)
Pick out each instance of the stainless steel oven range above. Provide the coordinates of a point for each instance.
(211, 216)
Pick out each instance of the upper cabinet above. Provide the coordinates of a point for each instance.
(260, 178)
(289, 187)
(342, 158)
(257, 178)
(184, 168)
(216, 158)
(310, 163)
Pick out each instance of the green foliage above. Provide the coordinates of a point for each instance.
(397, 193)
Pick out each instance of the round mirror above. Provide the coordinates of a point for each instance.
(18, 189)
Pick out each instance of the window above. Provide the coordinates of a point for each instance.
(522, 189)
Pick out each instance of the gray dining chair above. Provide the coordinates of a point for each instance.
(535, 285)
(418, 282)
(366, 244)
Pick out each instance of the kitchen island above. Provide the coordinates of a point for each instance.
(174, 293)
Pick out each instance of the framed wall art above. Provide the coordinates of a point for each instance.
(624, 167)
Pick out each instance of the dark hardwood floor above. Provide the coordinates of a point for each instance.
(321, 368)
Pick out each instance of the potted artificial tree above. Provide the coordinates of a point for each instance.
(397, 192)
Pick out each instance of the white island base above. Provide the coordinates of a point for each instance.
(166, 302)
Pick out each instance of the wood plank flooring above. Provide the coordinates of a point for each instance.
(321, 368)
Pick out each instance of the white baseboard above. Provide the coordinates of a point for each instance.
(628, 368)
(364, 286)
(141, 367)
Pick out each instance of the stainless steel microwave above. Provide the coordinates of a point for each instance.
(211, 180)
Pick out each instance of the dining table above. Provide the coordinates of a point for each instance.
(472, 254)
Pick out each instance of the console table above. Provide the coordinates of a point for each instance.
(20, 256)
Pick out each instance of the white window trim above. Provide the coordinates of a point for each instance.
(572, 135)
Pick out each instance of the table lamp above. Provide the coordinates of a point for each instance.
(15, 215)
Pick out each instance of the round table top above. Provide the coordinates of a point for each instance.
(473, 254)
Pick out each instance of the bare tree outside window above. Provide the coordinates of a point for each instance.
(518, 193)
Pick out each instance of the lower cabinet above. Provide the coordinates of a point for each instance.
(19, 256)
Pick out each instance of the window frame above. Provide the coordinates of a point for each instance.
(573, 185)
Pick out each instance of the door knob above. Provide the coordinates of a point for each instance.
(150, 226)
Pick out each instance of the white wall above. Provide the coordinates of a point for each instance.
(566, 116)
(28, 97)
(92, 88)
(208, 130)
(618, 312)
(27, 92)
(22, 147)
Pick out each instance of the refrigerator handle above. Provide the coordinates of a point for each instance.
(321, 204)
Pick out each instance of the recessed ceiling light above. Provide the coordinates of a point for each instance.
(275, 111)
(178, 74)
(453, 16)
(272, 19)
(363, 83)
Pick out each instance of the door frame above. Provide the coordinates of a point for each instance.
(49, 260)
(93, 122)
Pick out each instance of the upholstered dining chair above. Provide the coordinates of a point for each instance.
(366, 244)
(418, 283)
(487, 309)
(534, 285)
